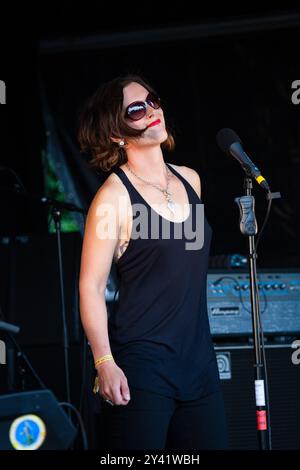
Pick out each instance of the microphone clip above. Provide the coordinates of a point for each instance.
(248, 224)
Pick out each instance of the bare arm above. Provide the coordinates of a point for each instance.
(99, 243)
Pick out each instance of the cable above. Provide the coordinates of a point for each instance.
(84, 356)
(83, 376)
(25, 358)
(264, 222)
(83, 432)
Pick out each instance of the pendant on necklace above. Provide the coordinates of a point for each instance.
(171, 206)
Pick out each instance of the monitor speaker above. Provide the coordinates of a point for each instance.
(34, 420)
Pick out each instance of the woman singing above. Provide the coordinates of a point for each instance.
(156, 366)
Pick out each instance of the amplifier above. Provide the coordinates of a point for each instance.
(229, 303)
(235, 363)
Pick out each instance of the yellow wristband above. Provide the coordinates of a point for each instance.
(107, 357)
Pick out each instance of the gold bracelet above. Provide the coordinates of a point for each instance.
(107, 357)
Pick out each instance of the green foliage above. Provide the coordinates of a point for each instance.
(54, 189)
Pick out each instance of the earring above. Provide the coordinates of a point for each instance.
(121, 143)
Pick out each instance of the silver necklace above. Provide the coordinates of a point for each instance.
(165, 192)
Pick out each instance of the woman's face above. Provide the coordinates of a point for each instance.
(155, 134)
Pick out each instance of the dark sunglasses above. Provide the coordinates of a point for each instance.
(137, 110)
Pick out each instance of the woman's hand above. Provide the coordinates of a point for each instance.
(113, 383)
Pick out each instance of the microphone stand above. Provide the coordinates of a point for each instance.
(56, 212)
(248, 227)
(9, 327)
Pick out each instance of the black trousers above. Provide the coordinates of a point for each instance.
(154, 422)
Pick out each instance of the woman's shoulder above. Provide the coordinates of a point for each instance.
(110, 192)
(113, 184)
(191, 175)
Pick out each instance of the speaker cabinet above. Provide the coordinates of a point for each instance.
(236, 369)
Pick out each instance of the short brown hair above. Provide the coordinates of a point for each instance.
(102, 118)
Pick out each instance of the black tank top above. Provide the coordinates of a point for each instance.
(159, 331)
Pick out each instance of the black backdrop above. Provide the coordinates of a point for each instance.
(224, 77)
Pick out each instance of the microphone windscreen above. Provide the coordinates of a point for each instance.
(225, 138)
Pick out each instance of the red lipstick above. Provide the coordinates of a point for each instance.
(154, 123)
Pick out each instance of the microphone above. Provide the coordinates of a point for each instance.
(230, 143)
